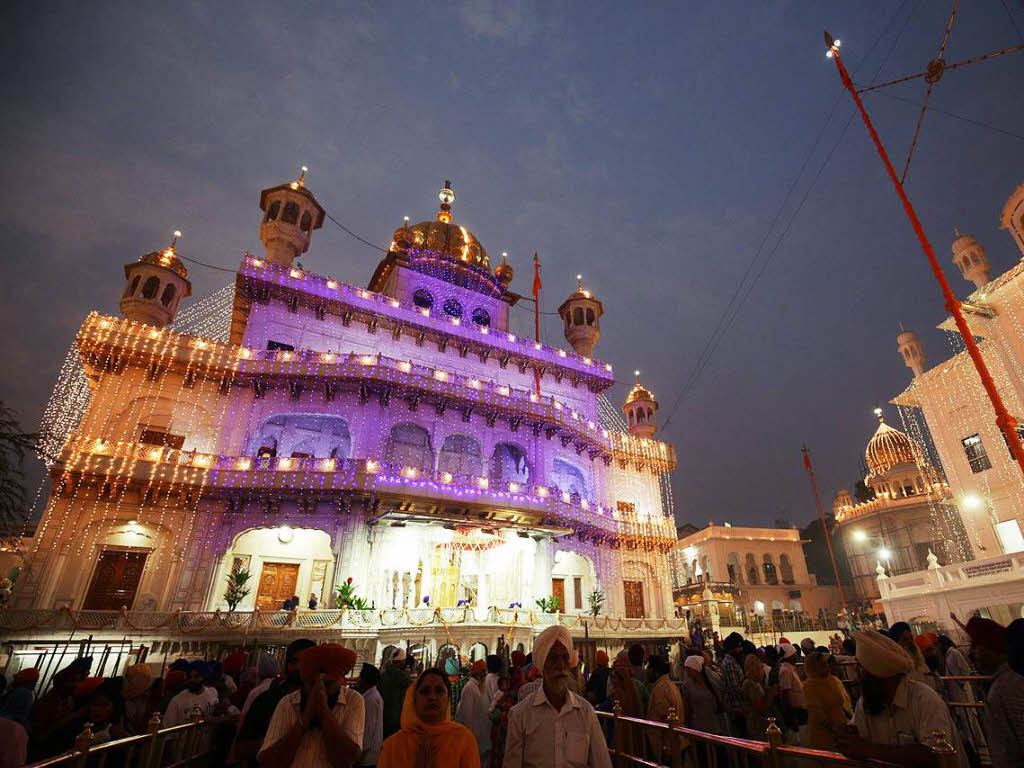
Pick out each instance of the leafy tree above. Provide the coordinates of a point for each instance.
(238, 588)
(596, 601)
(14, 443)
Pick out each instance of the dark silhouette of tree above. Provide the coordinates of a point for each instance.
(14, 444)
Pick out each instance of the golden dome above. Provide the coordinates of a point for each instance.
(888, 448)
(442, 236)
(167, 258)
(640, 392)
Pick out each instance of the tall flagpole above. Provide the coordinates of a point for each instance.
(1004, 420)
(824, 525)
(536, 313)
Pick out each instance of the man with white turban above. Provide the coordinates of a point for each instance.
(554, 727)
(896, 717)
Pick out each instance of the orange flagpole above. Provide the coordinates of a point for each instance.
(824, 525)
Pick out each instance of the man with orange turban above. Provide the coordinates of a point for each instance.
(322, 723)
(474, 709)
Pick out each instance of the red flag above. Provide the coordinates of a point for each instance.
(536, 276)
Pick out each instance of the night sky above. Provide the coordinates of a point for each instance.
(648, 146)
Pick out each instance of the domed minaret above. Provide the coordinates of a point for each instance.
(504, 271)
(290, 214)
(154, 285)
(640, 409)
(581, 313)
(911, 351)
(969, 256)
(842, 502)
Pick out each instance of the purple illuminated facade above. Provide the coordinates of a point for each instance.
(391, 435)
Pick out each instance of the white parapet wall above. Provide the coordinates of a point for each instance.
(995, 584)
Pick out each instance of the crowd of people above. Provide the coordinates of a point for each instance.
(540, 709)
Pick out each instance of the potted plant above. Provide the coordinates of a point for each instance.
(238, 588)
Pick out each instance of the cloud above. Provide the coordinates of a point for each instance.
(496, 20)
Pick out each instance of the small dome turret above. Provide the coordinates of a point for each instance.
(969, 256)
(581, 314)
(154, 285)
(1012, 217)
(504, 271)
(290, 214)
(640, 410)
(911, 350)
(842, 502)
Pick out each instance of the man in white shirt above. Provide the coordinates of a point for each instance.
(195, 694)
(321, 724)
(555, 727)
(474, 709)
(490, 685)
(373, 724)
(896, 717)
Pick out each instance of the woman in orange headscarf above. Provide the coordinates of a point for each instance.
(429, 738)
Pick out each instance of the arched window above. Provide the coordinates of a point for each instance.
(460, 455)
(735, 572)
(423, 298)
(273, 210)
(408, 445)
(650, 414)
(569, 478)
(577, 316)
(640, 417)
(130, 290)
(770, 575)
(751, 568)
(453, 308)
(786, 569)
(168, 295)
(481, 317)
(631, 418)
(150, 287)
(508, 462)
(303, 435)
(291, 213)
(590, 316)
(307, 222)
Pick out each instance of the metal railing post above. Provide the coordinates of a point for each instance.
(673, 740)
(944, 752)
(617, 734)
(152, 728)
(773, 735)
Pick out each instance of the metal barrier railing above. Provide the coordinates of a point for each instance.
(628, 737)
(179, 745)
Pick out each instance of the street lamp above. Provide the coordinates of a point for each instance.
(973, 502)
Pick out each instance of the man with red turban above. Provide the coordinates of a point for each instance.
(322, 723)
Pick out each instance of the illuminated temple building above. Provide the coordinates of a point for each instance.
(951, 424)
(401, 436)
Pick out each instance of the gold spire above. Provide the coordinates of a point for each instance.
(301, 181)
(447, 197)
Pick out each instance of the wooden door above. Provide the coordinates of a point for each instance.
(115, 581)
(558, 591)
(278, 582)
(634, 594)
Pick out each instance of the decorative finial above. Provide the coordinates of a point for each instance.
(956, 232)
(880, 571)
(933, 561)
(878, 414)
(447, 197)
(301, 181)
(504, 257)
(174, 239)
(579, 283)
(637, 374)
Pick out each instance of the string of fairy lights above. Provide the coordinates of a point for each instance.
(140, 379)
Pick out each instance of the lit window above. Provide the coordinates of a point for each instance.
(480, 317)
(280, 345)
(1010, 536)
(976, 455)
(1020, 434)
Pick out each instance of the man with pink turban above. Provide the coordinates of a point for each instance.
(554, 725)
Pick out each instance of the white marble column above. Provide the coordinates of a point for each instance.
(542, 562)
